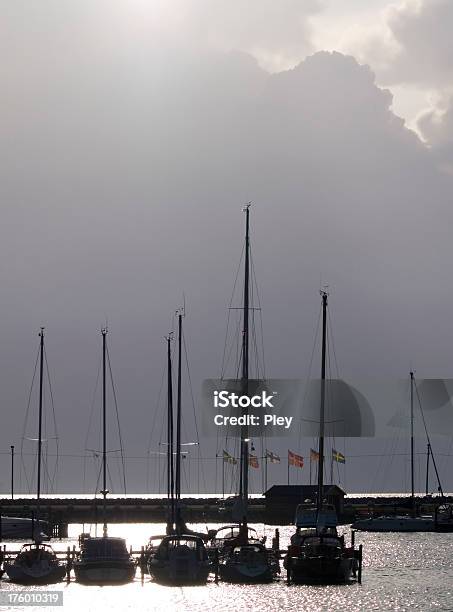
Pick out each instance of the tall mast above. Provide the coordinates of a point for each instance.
(180, 314)
(324, 295)
(412, 444)
(245, 363)
(41, 381)
(104, 430)
(170, 465)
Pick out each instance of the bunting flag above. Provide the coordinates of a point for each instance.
(273, 458)
(253, 461)
(314, 455)
(338, 457)
(228, 458)
(296, 460)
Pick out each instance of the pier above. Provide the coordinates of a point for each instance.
(60, 512)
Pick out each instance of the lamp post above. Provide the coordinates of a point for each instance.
(12, 471)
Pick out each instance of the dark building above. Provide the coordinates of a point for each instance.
(282, 500)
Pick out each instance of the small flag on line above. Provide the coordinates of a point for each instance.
(229, 458)
(253, 461)
(314, 455)
(338, 457)
(296, 460)
(273, 458)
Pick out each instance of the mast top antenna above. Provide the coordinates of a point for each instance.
(246, 206)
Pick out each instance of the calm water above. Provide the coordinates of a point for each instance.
(401, 572)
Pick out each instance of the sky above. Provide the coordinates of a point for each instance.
(132, 133)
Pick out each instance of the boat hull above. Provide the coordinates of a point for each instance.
(396, 524)
(321, 570)
(35, 575)
(104, 572)
(178, 574)
(241, 573)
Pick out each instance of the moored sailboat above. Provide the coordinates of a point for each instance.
(318, 554)
(243, 559)
(104, 560)
(180, 558)
(441, 520)
(37, 563)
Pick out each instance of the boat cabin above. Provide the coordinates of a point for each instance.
(181, 543)
(282, 501)
(104, 548)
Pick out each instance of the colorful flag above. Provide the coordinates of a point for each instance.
(253, 461)
(338, 457)
(296, 460)
(273, 458)
(228, 458)
(314, 455)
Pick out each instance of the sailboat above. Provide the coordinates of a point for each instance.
(442, 520)
(243, 558)
(37, 563)
(318, 554)
(180, 557)
(104, 560)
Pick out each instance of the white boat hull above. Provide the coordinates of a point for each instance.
(396, 524)
(19, 528)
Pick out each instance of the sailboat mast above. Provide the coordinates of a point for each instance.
(412, 444)
(245, 359)
(170, 465)
(178, 412)
(41, 382)
(104, 429)
(324, 295)
(245, 336)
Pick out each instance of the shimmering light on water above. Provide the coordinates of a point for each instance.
(401, 572)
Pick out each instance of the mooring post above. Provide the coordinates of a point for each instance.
(359, 577)
(216, 562)
(276, 540)
(142, 564)
(68, 564)
(288, 567)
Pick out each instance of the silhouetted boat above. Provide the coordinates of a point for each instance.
(241, 558)
(37, 563)
(317, 553)
(104, 560)
(180, 558)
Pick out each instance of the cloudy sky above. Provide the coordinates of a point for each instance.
(131, 133)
